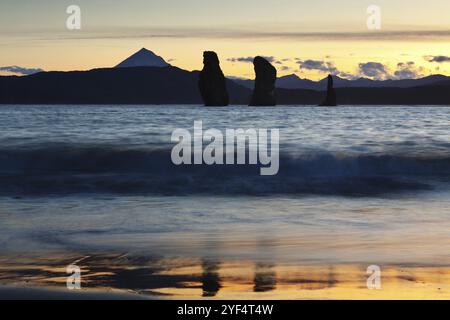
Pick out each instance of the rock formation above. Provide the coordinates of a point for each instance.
(330, 100)
(212, 82)
(266, 75)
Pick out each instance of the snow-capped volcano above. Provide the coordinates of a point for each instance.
(143, 58)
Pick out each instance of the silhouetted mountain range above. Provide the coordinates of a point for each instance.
(294, 82)
(138, 85)
(161, 83)
(422, 95)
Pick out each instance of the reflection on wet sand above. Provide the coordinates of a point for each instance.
(194, 278)
(265, 278)
(210, 278)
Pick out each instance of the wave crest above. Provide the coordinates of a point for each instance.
(104, 169)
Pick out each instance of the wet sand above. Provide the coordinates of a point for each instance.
(25, 293)
(127, 276)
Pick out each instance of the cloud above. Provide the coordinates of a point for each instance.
(379, 71)
(323, 66)
(250, 59)
(374, 70)
(438, 59)
(407, 70)
(406, 74)
(347, 75)
(20, 70)
(279, 63)
(241, 59)
(319, 65)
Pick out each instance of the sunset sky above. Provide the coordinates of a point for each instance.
(308, 38)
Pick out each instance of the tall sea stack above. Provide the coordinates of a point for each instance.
(330, 100)
(266, 75)
(211, 82)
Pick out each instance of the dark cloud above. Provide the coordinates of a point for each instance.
(323, 66)
(405, 64)
(20, 70)
(250, 59)
(312, 65)
(347, 75)
(378, 71)
(406, 74)
(319, 65)
(241, 59)
(279, 63)
(408, 70)
(438, 59)
(374, 70)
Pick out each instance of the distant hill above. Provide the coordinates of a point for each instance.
(138, 85)
(422, 95)
(440, 83)
(143, 58)
(294, 82)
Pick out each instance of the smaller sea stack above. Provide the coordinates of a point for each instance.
(330, 100)
(211, 82)
(266, 75)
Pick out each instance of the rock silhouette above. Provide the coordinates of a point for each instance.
(212, 82)
(330, 100)
(211, 282)
(266, 75)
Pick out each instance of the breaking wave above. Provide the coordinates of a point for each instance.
(108, 169)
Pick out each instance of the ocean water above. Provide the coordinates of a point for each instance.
(356, 184)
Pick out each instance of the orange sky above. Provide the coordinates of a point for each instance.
(309, 39)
